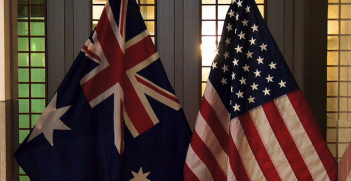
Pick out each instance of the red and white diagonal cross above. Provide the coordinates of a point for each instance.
(117, 75)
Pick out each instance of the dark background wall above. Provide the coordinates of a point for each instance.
(298, 26)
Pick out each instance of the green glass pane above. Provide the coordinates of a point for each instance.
(23, 44)
(22, 135)
(38, 90)
(23, 75)
(37, 44)
(38, 105)
(24, 178)
(22, 28)
(37, 75)
(21, 171)
(38, 59)
(37, 1)
(22, 12)
(23, 90)
(37, 28)
(37, 12)
(23, 105)
(22, 1)
(24, 121)
(23, 59)
(35, 118)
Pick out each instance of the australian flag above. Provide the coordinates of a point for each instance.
(115, 115)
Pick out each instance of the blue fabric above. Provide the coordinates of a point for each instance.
(87, 151)
(234, 26)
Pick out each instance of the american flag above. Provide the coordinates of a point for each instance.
(344, 165)
(115, 115)
(254, 123)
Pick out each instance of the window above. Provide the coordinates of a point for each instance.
(31, 65)
(213, 13)
(339, 76)
(147, 9)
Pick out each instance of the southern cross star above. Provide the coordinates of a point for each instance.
(140, 176)
(50, 121)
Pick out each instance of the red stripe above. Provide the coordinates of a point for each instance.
(189, 175)
(212, 120)
(136, 110)
(202, 151)
(258, 148)
(122, 15)
(286, 142)
(139, 52)
(122, 127)
(114, 72)
(236, 165)
(345, 164)
(157, 90)
(136, 54)
(90, 53)
(311, 127)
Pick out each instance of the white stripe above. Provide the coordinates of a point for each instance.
(231, 176)
(349, 177)
(129, 124)
(272, 145)
(197, 166)
(87, 43)
(209, 138)
(139, 88)
(247, 157)
(91, 57)
(96, 49)
(124, 16)
(136, 39)
(118, 93)
(117, 116)
(102, 96)
(116, 30)
(217, 105)
(163, 99)
(301, 139)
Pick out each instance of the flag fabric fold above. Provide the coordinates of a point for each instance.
(115, 116)
(254, 123)
(344, 165)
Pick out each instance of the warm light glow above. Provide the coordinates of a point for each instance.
(213, 16)
(333, 27)
(99, 1)
(205, 46)
(338, 76)
(97, 11)
(207, 57)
